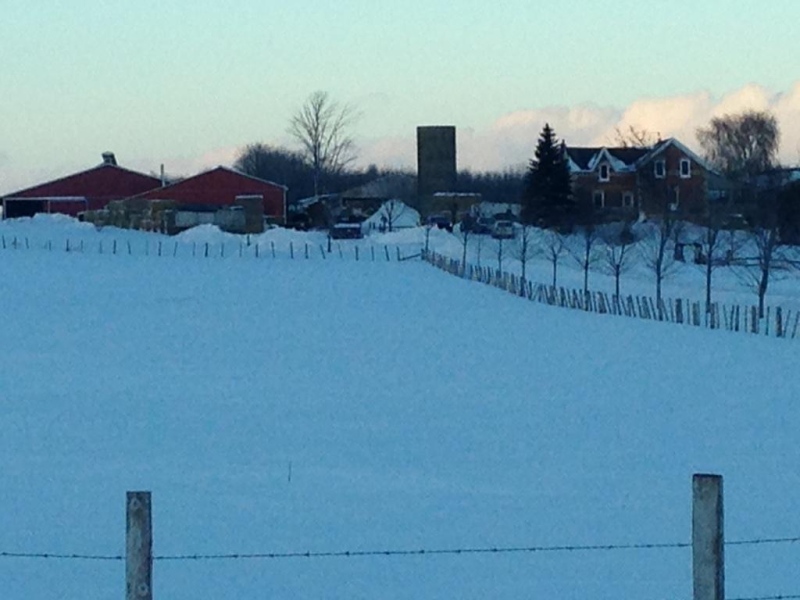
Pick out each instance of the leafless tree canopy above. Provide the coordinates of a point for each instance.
(741, 145)
(524, 248)
(633, 137)
(322, 128)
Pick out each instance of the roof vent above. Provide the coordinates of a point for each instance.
(109, 158)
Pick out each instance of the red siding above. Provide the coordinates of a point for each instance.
(99, 186)
(220, 187)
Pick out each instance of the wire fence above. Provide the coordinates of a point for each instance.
(776, 322)
(400, 552)
(245, 247)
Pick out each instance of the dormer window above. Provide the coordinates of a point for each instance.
(660, 169)
(686, 168)
(604, 172)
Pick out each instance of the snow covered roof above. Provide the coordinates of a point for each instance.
(588, 158)
(663, 145)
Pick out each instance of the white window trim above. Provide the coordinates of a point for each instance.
(599, 194)
(663, 164)
(688, 163)
(632, 198)
(600, 172)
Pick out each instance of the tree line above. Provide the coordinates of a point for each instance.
(324, 162)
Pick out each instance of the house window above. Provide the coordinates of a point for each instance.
(599, 199)
(686, 168)
(660, 169)
(627, 199)
(604, 174)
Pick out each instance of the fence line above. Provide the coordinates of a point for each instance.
(776, 322)
(400, 552)
(243, 249)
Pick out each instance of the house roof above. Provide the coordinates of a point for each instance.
(586, 158)
(104, 183)
(663, 145)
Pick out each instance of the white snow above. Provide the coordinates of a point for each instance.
(278, 405)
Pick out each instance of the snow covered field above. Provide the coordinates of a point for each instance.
(291, 406)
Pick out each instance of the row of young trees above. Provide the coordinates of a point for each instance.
(614, 249)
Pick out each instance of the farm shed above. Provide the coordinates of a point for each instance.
(241, 202)
(92, 189)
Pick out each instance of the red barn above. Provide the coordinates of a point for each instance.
(223, 187)
(88, 190)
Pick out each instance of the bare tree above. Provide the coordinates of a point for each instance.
(478, 248)
(524, 248)
(499, 248)
(391, 211)
(764, 238)
(715, 252)
(742, 145)
(658, 247)
(584, 251)
(463, 234)
(322, 128)
(554, 247)
(428, 227)
(634, 137)
(618, 241)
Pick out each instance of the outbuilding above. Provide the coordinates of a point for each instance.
(92, 189)
(222, 196)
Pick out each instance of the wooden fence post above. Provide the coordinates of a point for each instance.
(708, 538)
(139, 547)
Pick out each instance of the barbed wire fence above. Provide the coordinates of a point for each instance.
(396, 552)
(707, 545)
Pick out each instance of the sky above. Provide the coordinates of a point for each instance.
(188, 84)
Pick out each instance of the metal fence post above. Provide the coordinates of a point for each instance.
(139, 547)
(708, 538)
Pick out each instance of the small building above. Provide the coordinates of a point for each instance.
(232, 200)
(92, 189)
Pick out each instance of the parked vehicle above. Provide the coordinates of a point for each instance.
(503, 230)
(484, 225)
(347, 228)
(440, 221)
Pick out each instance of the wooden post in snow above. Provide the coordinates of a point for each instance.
(708, 538)
(139, 547)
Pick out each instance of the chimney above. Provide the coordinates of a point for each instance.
(163, 177)
(109, 158)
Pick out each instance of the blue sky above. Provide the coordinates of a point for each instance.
(172, 81)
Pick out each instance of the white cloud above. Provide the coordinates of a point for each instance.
(508, 142)
(511, 139)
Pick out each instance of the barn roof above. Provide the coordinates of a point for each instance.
(218, 186)
(102, 183)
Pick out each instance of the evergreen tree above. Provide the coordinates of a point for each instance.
(547, 198)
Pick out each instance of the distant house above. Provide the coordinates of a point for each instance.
(668, 176)
(222, 196)
(87, 190)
